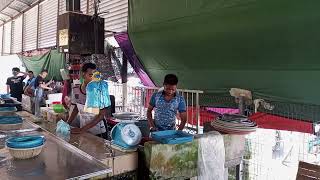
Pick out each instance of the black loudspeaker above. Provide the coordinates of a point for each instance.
(73, 5)
(76, 34)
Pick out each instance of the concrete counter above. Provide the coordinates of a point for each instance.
(120, 162)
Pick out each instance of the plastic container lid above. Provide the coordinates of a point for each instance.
(171, 137)
(58, 108)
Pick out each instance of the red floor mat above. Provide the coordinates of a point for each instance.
(269, 121)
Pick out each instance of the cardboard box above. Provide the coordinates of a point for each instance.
(122, 164)
(44, 112)
(55, 117)
(27, 103)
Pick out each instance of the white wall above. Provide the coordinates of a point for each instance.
(6, 65)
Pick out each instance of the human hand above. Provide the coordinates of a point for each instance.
(67, 101)
(77, 131)
(180, 128)
(153, 129)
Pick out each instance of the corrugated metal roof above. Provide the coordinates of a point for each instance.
(62, 7)
(48, 23)
(16, 35)
(30, 35)
(115, 13)
(30, 29)
(7, 39)
(17, 5)
(9, 9)
(4, 3)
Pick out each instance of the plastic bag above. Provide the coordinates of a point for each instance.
(211, 157)
(97, 96)
(63, 130)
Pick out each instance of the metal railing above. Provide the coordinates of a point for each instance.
(137, 99)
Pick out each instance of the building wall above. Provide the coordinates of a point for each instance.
(36, 28)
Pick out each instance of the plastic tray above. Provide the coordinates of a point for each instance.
(9, 103)
(171, 137)
(10, 120)
(5, 96)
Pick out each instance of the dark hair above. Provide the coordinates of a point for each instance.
(44, 71)
(170, 79)
(16, 69)
(30, 72)
(87, 66)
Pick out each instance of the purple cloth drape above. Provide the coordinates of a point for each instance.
(127, 48)
(223, 110)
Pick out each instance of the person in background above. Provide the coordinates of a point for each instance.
(167, 103)
(40, 86)
(31, 78)
(29, 88)
(15, 84)
(95, 124)
(66, 94)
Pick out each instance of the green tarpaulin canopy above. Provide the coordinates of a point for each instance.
(53, 61)
(269, 47)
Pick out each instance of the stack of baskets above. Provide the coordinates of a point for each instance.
(234, 124)
(25, 147)
(7, 111)
(8, 123)
(20, 147)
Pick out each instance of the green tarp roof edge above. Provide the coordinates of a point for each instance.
(269, 47)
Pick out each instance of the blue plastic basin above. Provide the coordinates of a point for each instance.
(10, 120)
(171, 137)
(8, 109)
(24, 142)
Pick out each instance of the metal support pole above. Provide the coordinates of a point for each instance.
(38, 26)
(58, 11)
(11, 37)
(198, 112)
(22, 32)
(95, 29)
(88, 7)
(242, 112)
(238, 172)
(124, 77)
(241, 105)
(2, 40)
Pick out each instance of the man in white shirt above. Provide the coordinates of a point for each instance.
(88, 122)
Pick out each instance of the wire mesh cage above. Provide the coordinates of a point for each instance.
(286, 136)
